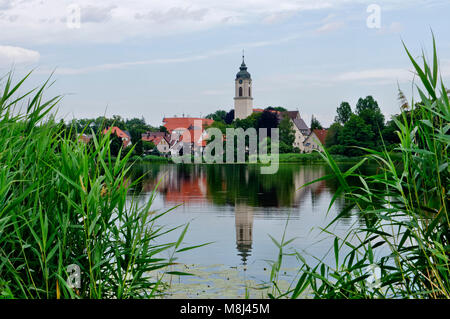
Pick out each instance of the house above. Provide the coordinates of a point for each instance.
(315, 140)
(124, 135)
(162, 140)
(85, 138)
(182, 127)
(300, 128)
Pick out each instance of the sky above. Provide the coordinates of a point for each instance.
(156, 58)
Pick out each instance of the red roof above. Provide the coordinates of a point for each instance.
(124, 136)
(321, 135)
(172, 123)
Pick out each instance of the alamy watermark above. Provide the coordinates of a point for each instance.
(74, 276)
(73, 16)
(374, 19)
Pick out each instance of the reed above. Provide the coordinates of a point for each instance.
(63, 204)
(403, 248)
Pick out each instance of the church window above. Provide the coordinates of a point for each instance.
(249, 91)
(240, 91)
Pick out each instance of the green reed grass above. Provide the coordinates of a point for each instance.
(64, 203)
(406, 233)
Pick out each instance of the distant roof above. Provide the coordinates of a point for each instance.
(321, 135)
(292, 114)
(153, 134)
(117, 131)
(172, 123)
(301, 125)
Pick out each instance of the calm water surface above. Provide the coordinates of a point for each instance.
(237, 208)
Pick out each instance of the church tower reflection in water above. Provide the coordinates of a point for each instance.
(244, 230)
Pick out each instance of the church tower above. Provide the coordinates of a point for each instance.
(243, 101)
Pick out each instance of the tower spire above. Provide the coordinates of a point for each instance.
(243, 56)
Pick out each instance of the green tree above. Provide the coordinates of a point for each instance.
(278, 108)
(267, 120)
(287, 135)
(368, 103)
(333, 134)
(356, 133)
(369, 111)
(116, 144)
(219, 115)
(251, 121)
(344, 111)
(315, 124)
(229, 118)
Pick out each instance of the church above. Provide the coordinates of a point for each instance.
(305, 139)
(243, 108)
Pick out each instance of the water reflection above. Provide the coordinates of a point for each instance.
(241, 190)
(232, 184)
(244, 230)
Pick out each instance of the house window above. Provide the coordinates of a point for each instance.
(240, 91)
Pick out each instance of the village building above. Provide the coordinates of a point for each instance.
(315, 141)
(124, 135)
(182, 131)
(162, 140)
(243, 100)
(187, 130)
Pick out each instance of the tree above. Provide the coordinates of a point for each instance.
(367, 103)
(315, 124)
(369, 111)
(116, 144)
(147, 146)
(219, 115)
(333, 134)
(278, 108)
(229, 117)
(356, 133)
(287, 134)
(267, 120)
(344, 111)
(251, 121)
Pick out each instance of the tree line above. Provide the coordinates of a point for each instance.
(364, 127)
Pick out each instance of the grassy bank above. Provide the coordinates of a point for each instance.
(67, 229)
(151, 159)
(312, 157)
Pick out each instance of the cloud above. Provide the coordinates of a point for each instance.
(375, 74)
(393, 28)
(123, 65)
(331, 26)
(173, 14)
(5, 4)
(96, 14)
(278, 17)
(10, 55)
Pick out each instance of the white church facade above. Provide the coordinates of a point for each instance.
(243, 99)
(243, 108)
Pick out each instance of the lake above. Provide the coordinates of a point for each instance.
(237, 208)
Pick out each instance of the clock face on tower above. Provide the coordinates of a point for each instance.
(240, 81)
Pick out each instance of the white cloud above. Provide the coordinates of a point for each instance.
(10, 55)
(96, 14)
(5, 4)
(37, 21)
(376, 74)
(331, 26)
